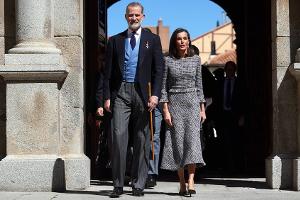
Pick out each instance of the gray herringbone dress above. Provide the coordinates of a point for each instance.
(182, 89)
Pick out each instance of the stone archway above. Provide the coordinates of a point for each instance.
(254, 59)
(255, 63)
(268, 39)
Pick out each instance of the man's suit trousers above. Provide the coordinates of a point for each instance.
(129, 105)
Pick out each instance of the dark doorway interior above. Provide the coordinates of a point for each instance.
(95, 21)
(252, 24)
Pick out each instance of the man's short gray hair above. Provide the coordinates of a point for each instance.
(134, 4)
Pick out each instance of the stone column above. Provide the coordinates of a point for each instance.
(295, 71)
(279, 171)
(34, 72)
(34, 27)
(2, 85)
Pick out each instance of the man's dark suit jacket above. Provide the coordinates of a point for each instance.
(237, 98)
(99, 91)
(149, 66)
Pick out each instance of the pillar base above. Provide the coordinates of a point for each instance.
(296, 174)
(44, 173)
(77, 172)
(279, 171)
(35, 48)
(34, 160)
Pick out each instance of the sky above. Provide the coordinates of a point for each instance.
(197, 16)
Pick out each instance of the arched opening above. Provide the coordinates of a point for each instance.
(253, 41)
(253, 33)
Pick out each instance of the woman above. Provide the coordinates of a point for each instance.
(183, 110)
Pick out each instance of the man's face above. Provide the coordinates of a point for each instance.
(134, 17)
(230, 71)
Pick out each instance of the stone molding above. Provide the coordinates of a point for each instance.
(34, 67)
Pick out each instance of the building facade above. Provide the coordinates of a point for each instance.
(163, 32)
(215, 42)
(48, 54)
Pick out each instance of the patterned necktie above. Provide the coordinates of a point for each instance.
(132, 40)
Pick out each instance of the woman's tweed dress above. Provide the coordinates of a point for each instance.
(182, 89)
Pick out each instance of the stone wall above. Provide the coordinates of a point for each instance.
(280, 171)
(68, 32)
(44, 132)
(7, 41)
(294, 27)
(2, 86)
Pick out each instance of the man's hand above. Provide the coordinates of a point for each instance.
(99, 111)
(152, 103)
(107, 105)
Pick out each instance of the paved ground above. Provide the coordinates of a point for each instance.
(207, 189)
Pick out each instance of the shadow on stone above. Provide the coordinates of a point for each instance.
(59, 177)
(236, 183)
(126, 192)
(100, 192)
(102, 182)
(3, 143)
(9, 21)
(286, 173)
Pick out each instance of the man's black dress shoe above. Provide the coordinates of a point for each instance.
(151, 181)
(137, 192)
(116, 193)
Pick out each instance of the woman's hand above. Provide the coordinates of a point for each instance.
(202, 113)
(166, 114)
(202, 116)
(167, 118)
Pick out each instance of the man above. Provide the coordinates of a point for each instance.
(208, 136)
(231, 110)
(103, 126)
(134, 59)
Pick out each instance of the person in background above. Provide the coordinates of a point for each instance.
(103, 125)
(209, 140)
(230, 112)
(153, 164)
(94, 118)
(183, 110)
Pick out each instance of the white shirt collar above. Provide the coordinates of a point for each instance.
(137, 33)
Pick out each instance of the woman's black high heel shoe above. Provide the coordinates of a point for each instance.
(182, 193)
(185, 193)
(192, 191)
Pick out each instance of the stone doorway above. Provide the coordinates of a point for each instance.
(253, 33)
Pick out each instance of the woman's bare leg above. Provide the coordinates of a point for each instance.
(191, 172)
(180, 173)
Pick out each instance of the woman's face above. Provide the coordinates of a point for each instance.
(182, 42)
